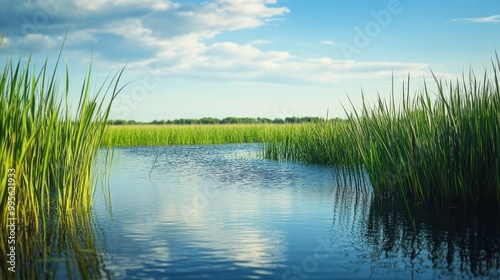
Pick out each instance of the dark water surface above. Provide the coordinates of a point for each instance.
(221, 212)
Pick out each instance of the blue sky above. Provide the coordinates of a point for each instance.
(253, 58)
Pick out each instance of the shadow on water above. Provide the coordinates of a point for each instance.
(455, 240)
(65, 248)
(444, 243)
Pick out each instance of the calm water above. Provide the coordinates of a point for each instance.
(220, 212)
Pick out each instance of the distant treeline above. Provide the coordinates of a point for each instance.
(230, 120)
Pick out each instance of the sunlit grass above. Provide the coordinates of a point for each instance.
(435, 146)
(441, 147)
(52, 149)
(157, 135)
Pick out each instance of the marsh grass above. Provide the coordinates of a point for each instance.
(51, 148)
(443, 151)
(438, 147)
(157, 135)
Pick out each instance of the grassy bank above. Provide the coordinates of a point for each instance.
(437, 147)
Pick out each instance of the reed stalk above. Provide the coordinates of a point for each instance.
(438, 147)
(51, 148)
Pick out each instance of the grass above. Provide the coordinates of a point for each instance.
(51, 148)
(435, 147)
(157, 135)
(439, 148)
(51, 151)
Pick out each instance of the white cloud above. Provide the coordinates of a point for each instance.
(490, 19)
(129, 28)
(278, 55)
(35, 41)
(248, 8)
(230, 61)
(179, 42)
(181, 45)
(222, 15)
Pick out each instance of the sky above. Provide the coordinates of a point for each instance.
(252, 58)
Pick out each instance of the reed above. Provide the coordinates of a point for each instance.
(440, 147)
(327, 143)
(443, 151)
(157, 135)
(51, 148)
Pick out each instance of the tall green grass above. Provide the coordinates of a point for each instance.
(156, 135)
(51, 150)
(51, 147)
(324, 143)
(438, 147)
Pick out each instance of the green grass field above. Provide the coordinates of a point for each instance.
(155, 135)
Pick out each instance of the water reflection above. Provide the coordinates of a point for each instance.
(216, 210)
(445, 243)
(450, 241)
(220, 212)
(66, 247)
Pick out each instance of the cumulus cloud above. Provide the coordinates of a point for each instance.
(490, 19)
(179, 39)
(37, 42)
(229, 61)
(236, 14)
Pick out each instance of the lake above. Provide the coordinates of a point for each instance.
(222, 212)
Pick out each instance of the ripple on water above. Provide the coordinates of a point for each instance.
(221, 212)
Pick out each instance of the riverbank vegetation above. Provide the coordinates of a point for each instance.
(48, 165)
(437, 146)
(51, 150)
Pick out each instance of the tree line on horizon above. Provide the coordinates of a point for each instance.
(228, 120)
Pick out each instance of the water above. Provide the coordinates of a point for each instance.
(221, 212)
